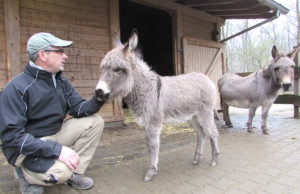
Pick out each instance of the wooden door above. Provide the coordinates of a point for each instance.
(204, 56)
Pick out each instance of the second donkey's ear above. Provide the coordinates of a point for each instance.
(275, 53)
(293, 52)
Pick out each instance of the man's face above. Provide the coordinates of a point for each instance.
(54, 59)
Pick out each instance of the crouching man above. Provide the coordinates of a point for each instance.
(44, 148)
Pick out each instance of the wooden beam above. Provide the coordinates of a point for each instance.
(13, 37)
(114, 20)
(235, 6)
(252, 11)
(258, 16)
(192, 3)
(212, 64)
(288, 99)
(172, 6)
(115, 33)
(179, 47)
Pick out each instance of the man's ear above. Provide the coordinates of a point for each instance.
(42, 55)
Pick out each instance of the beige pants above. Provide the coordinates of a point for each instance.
(80, 134)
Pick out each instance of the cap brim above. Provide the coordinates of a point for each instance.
(62, 43)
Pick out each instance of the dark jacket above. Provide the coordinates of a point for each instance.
(32, 107)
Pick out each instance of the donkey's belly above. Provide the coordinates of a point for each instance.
(178, 118)
(239, 104)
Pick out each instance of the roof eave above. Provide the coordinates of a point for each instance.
(275, 5)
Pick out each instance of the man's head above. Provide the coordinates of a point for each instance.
(46, 51)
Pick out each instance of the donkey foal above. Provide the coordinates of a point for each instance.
(155, 100)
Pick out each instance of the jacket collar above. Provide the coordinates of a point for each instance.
(39, 73)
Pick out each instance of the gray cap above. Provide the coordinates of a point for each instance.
(42, 40)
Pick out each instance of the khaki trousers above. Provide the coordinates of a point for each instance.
(80, 134)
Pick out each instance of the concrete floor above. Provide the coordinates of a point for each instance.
(249, 162)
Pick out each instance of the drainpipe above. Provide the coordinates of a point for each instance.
(252, 27)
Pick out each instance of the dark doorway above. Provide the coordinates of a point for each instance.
(154, 27)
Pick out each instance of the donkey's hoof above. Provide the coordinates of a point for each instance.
(195, 162)
(229, 125)
(147, 178)
(213, 163)
(250, 130)
(149, 175)
(266, 131)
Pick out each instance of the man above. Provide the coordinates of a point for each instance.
(44, 148)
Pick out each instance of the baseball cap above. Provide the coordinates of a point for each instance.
(42, 40)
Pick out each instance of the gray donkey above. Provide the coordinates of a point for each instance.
(155, 100)
(260, 88)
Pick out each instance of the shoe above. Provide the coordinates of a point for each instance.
(25, 187)
(80, 182)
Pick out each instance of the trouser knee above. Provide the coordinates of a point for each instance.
(98, 123)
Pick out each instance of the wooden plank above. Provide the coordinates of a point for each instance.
(61, 13)
(114, 21)
(115, 33)
(3, 75)
(202, 42)
(288, 99)
(244, 74)
(212, 64)
(12, 26)
(179, 40)
(297, 72)
(296, 82)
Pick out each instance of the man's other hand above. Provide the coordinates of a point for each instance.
(69, 157)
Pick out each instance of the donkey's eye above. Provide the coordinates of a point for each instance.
(117, 69)
(276, 69)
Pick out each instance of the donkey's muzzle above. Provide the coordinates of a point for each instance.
(101, 96)
(286, 86)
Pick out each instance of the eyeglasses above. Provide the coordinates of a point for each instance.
(57, 51)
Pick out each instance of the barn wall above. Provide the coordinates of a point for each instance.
(3, 68)
(84, 22)
(87, 23)
(196, 27)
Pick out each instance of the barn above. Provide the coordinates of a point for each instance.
(176, 36)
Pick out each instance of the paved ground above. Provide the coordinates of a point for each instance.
(249, 163)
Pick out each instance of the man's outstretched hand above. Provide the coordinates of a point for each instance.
(69, 157)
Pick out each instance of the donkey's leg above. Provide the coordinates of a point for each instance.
(252, 111)
(153, 141)
(226, 117)
(215, 148)
(200, 140)
(264, 116)
(206, 120)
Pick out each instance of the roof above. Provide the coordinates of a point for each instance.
(237, 9)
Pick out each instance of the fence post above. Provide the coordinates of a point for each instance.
(296, 86)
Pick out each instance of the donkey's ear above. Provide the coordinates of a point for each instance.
(117, 42)
(133, 40)
(293, 52)
(275, 53)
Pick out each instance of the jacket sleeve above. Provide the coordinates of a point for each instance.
(15, 140)
(79, 107)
